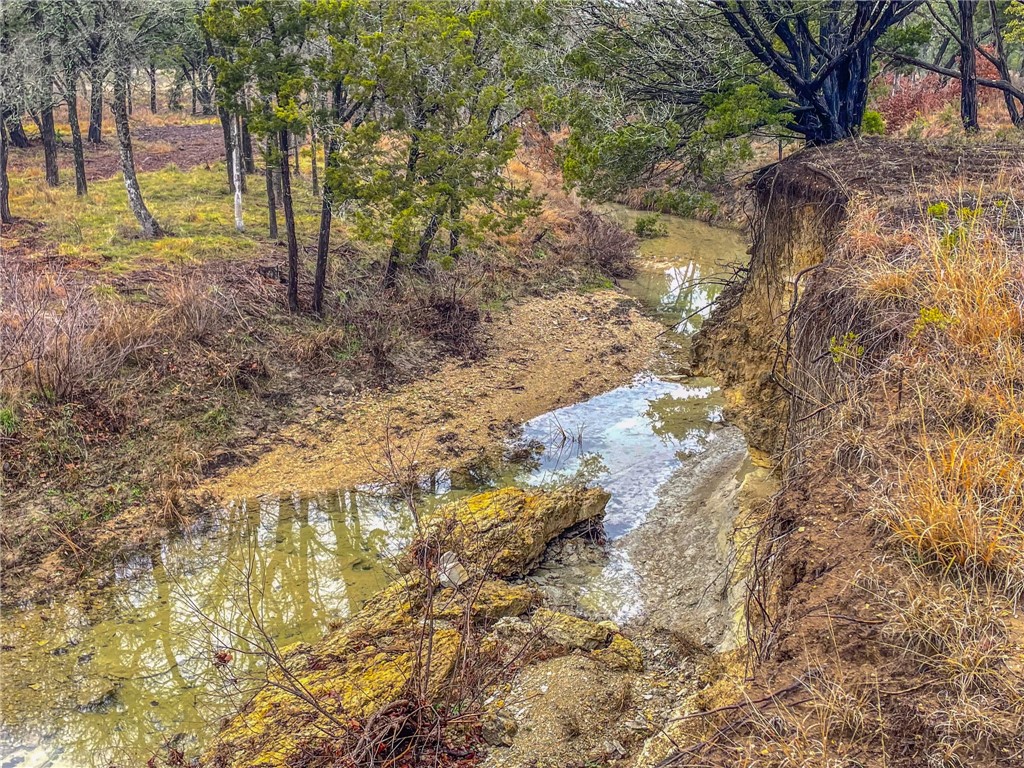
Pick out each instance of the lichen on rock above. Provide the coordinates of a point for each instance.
(379, 656)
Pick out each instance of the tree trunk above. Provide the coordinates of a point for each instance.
(236, 167)
(247, 157)
(323, 242)
(271, 202)
(195, 98)
(16, 135)
(289, 224)
(152, 87)
(312, 162)
(1001, 64)
(427, 240)
(119, 106)
(455, 229)
(81, 187)
(46, 129)
(5, 205)
(96, 105)
(295, 148)
(225, 128)
(236, 126)
(968, 68)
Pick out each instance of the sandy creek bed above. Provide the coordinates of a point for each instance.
(129, 667)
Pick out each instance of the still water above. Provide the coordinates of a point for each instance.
(153, 658)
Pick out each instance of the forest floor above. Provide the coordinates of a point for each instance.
(160, 365)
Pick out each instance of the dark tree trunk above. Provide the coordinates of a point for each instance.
(119, 106)
(49, 138)
(455, 231)
(46, 129)
(96, 78)
(5, 205)
(271, 201)
(295, 149)
(16, 132)
(195, 97)
(236, 146)
(1004, 69)
(247, 157)
(427, 240)
(81, 187)
(225, 126)
(323, 245)
(289, 224)
(968, 67)
(152, 87)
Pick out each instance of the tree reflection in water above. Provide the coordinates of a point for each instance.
(118, 675)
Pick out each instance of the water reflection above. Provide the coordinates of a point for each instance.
(114, 680)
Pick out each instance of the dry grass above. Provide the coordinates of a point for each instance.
(950, 294)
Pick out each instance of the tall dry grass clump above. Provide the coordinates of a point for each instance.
(62, 340)
(951, 295)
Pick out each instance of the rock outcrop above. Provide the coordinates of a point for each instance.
(409, 641)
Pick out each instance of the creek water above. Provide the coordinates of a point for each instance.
(151, 656)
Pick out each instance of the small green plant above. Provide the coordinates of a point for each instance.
(872, 124)
(9, 421)
(915, 130)
(846, 347)
(648, 227)
(968, 215)
(930, 317)
(939, 210)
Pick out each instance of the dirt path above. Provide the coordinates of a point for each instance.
(543, 353)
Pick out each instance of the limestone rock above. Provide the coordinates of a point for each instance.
(569, 631)
(499, 728)
(504, 533)
(620, 654)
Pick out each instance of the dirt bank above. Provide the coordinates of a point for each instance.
(882, 299)
(542, 353)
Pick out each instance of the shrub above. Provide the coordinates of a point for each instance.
(604, 244)
(872, 123)
(648, 227)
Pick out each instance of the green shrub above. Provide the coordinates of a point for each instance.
(647, 227)
(872, 123)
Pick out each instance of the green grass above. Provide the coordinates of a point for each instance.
(194, 206)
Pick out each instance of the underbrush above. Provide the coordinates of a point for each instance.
(130, 368)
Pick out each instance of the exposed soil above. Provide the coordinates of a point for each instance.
(819, 633)
(156, 146)
(542, 354)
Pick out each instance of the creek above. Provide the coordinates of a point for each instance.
(150, 656)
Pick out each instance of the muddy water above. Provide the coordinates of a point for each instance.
(134, 666)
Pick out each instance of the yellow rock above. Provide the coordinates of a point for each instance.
(621, 654)
(503, 533)
(569, 631)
